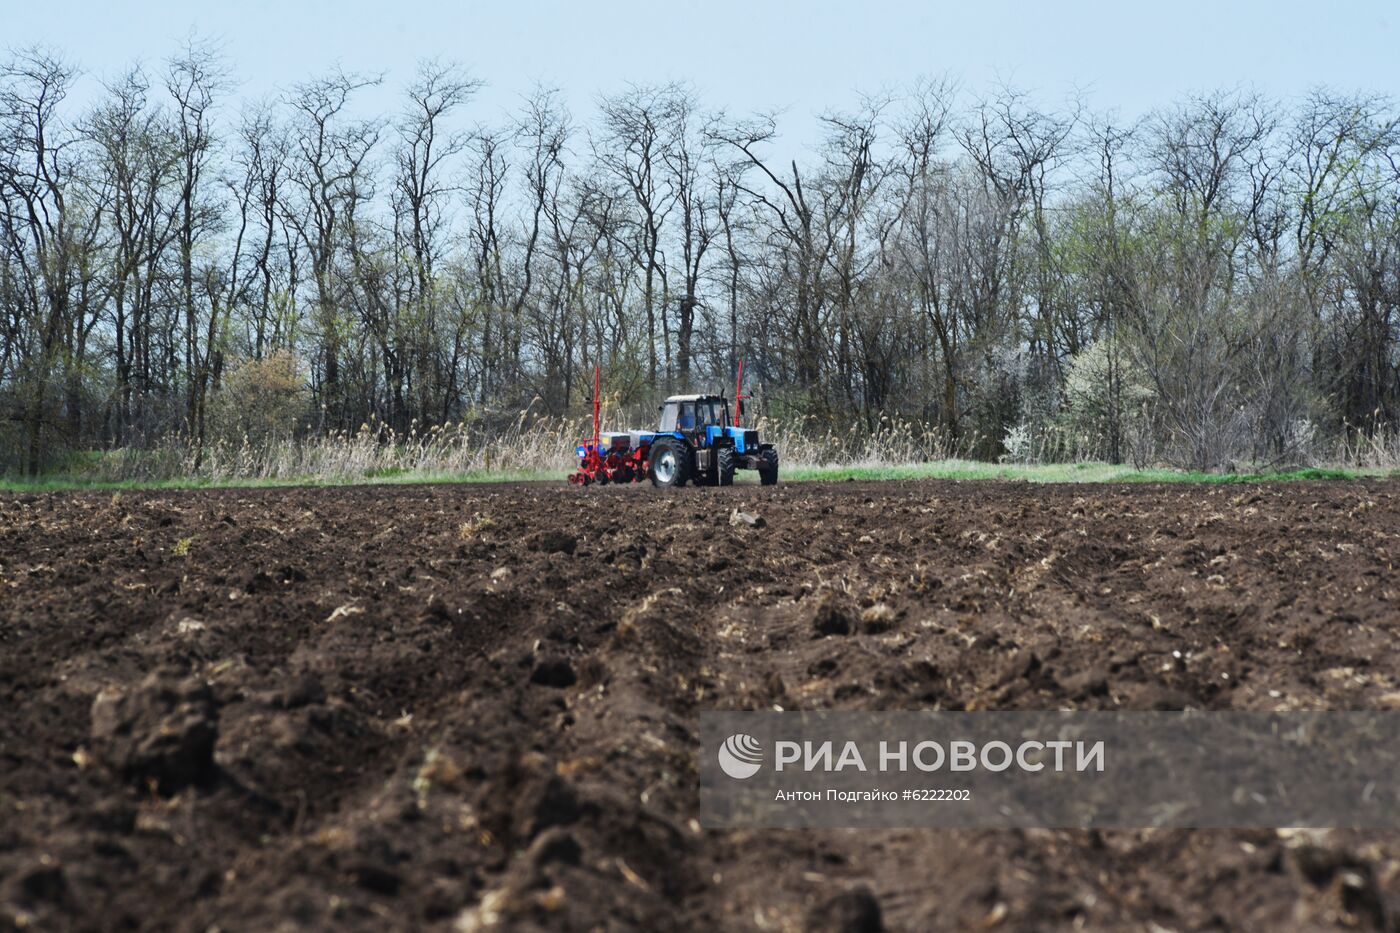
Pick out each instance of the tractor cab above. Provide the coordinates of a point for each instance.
(698, 417)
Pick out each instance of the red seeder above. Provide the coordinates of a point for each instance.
(614, 462)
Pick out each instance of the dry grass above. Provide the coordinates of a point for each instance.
(530, 445)
(542, 446)
(1377, 450)
(805, 443)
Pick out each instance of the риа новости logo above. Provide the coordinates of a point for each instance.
(740, 756)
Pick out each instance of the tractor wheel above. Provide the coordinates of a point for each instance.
(768, 472)
(724, 466)
(669, 464)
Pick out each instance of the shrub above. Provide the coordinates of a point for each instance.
(1105, 395)
(260, 401)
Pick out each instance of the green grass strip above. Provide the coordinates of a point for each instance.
(1055, 473)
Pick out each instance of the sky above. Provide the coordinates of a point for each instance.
(802, 58)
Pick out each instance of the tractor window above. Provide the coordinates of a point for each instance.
(668, 419)
(685, 418)
(711, 413)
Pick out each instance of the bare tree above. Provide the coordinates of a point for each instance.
(263, 159)
(331, 153)
(1190, 338)
(688, 166)
(193, 79)
(919, 250)
(794, 235)
(424, 162)
(635, 140)
(486, 191)
(138, 155)
(42, 232)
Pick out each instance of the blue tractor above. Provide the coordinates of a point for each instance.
(696, 442)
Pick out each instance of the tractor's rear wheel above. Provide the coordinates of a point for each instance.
(724, 466)
(669, 464)
(768, 470)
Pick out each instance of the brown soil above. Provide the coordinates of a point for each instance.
(475, 707)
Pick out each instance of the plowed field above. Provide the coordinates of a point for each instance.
(474, 707)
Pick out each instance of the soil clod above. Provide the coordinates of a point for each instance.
(161, 731)
(746, 519)
(552, 542)
(553, 671)
(854, 911)
(833, 617)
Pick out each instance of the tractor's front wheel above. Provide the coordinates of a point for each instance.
(669, 464)
(768, 469)
(724, 466)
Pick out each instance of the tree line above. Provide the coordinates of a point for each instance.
(1218, 279)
